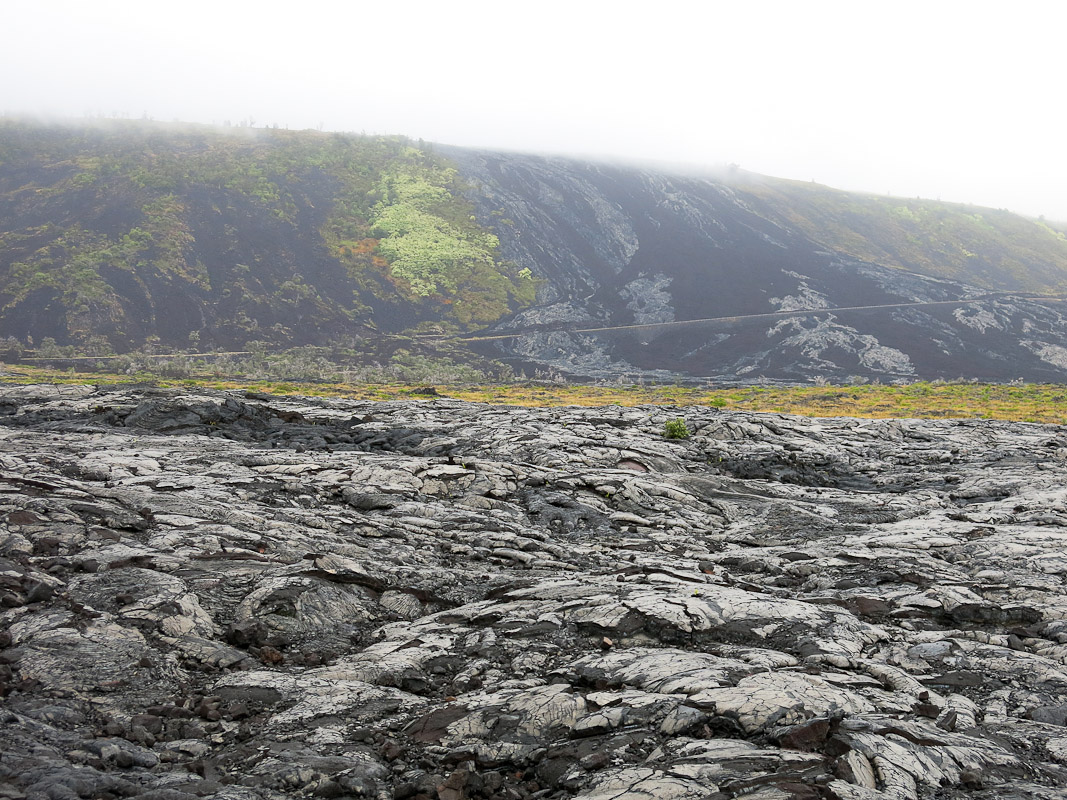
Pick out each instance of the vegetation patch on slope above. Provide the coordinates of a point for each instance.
(128, 231)
(430, 241)
(981, 246)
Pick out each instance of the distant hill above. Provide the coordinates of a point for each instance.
(128, 231)
(980, 246)
(621, 246)
(115, 235)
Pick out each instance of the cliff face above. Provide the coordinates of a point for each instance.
(620, 246)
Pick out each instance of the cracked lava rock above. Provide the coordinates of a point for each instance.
(208, 594)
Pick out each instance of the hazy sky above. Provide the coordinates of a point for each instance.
(958, 100)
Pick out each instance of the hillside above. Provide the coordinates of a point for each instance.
(121, 235)
(984, 247)
(622, 246)
(113, 233)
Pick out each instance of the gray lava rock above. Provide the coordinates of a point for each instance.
(198, 597)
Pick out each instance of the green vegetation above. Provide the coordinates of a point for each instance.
(430, 240)
(675, 429)
(315, 372)
(982, 246)
(242, 234)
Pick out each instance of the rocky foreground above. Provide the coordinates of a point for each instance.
(243, 596)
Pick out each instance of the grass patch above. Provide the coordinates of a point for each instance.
(1032, 402)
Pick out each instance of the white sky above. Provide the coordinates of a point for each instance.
(961, 100)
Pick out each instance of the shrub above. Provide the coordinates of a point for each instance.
(675, 429)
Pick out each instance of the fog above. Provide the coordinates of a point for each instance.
(953, 100)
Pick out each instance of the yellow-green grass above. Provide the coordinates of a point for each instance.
(1021, 402)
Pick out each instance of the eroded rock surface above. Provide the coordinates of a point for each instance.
(242, 596)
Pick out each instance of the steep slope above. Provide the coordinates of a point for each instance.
(621, 246)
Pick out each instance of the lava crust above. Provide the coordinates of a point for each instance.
(210, 594)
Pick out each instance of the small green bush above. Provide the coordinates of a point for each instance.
(675, 429)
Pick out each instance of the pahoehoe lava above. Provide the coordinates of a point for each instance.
(248, 596)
